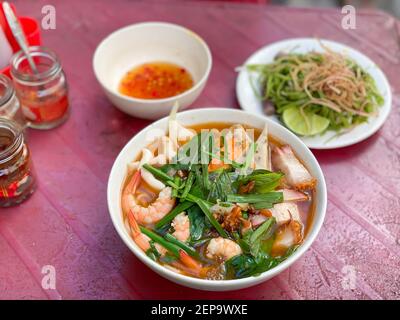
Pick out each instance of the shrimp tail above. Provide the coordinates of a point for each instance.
(189, 261)
(133, 224)
(134, 183)
(188, 265)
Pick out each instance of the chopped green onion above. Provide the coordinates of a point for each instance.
(272, 197)
(188, 184)
(188, 249)
(204, 171)
(152, 252)
(170, 216)
(174, 249)
(158, 173)
(177, 181)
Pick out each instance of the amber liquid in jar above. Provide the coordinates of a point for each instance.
(44, 110)
(156, 80)
(43, 94)
(17, 180)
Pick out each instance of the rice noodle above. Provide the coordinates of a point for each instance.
(331, 74)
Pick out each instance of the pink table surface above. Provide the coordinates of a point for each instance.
(66, 223)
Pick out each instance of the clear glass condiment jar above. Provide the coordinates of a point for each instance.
(17, 178)
(43, 94)
(9, 104)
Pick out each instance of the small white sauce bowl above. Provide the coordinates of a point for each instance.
(146, 42)
(200, 116)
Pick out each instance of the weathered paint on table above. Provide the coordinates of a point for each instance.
(66, 223)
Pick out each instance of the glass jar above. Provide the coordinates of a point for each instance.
(17, 180)
(43, 94)
(9, 104)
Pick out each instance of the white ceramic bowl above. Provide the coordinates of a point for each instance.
(199, 116)
(147, 42)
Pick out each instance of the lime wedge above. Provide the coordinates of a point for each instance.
(296, 122)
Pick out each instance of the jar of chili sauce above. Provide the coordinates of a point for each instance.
(44, 93)
(17, 179)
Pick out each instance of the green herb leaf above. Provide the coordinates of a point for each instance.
(205, 207)
(271, 197)
(253, 242)
(264, 180)
(261, 234)
(246, 265)
(221, 186)
(197, 223)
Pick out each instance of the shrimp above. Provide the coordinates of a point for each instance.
(222, 248)
(141, 239)
(155, 211)
(181, 226)
(128, 194)
(185, 263)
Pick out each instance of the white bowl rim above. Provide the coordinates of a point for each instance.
(199, 83)
(223, 285)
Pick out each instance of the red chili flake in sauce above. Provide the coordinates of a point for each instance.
(156, 80)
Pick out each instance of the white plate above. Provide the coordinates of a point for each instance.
(249, 102)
